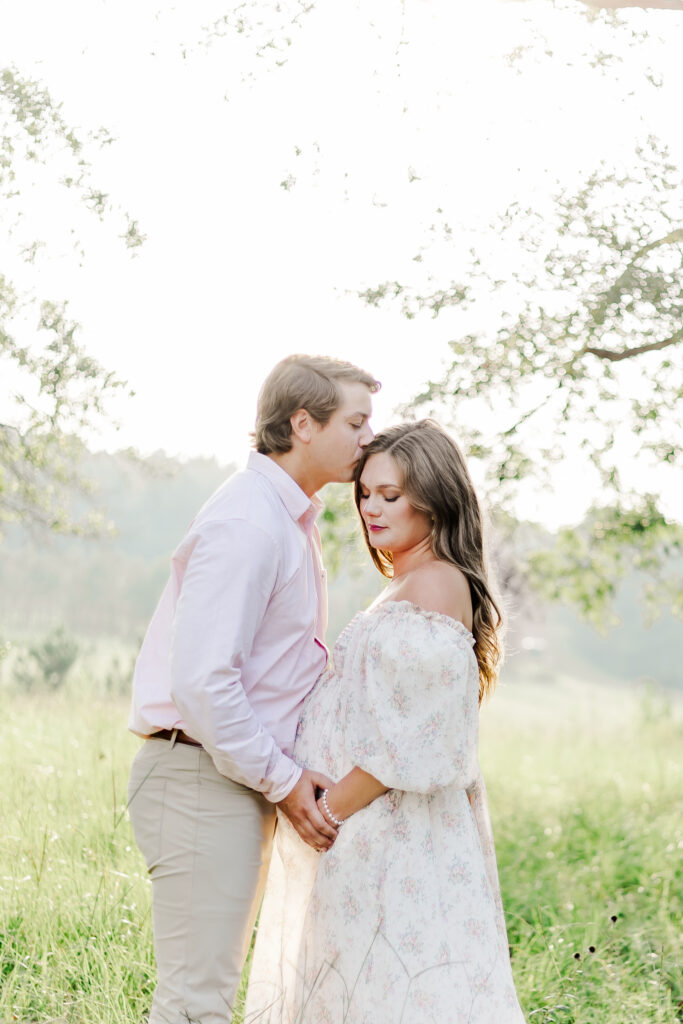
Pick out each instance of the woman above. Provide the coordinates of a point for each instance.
(401, 921)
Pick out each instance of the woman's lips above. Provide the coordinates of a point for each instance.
(376, 529)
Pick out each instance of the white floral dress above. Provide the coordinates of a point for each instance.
(401, 921)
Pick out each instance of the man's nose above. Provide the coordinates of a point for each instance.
(366, 436)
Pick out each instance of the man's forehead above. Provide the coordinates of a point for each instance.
(355, 398)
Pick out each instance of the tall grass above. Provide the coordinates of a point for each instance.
(585, 797)
(74, 907)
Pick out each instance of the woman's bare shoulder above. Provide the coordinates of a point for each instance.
(440, 587)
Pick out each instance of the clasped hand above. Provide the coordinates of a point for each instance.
(301, 808)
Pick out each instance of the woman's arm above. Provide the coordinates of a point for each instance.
(350, 794)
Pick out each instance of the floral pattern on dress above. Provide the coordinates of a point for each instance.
(401, 921)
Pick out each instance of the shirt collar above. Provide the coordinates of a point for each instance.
(301, 508)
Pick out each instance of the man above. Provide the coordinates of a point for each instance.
(234, 646)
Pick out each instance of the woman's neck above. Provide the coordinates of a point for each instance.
(407, 561)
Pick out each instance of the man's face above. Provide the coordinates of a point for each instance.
(337, 446)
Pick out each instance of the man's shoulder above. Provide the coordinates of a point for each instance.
(245, 496)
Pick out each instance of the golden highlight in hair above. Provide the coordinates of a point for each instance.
(301, 382)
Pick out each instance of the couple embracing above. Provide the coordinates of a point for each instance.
(381, 902)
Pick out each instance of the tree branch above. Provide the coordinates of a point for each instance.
(526, 416)
(659, 5)
(674, 236)
(10, 426)
(613, 293)
(628, 353)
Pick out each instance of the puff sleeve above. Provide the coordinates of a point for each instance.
(412, 706)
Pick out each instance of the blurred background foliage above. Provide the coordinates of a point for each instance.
(585, 359)
(54, 392)
(102, 591)
(566, 338)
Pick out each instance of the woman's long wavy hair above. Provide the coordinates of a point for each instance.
(436, 481)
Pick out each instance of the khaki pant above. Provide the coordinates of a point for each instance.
(207, 843)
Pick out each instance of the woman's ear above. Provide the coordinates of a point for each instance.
(302, 425)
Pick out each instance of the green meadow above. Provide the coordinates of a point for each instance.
(585, 791)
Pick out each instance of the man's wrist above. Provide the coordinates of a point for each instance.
(283, 779)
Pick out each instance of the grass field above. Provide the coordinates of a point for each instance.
(585, 796)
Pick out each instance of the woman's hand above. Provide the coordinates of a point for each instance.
(325, 814)
(355, 791)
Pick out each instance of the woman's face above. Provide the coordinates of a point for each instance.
(392, 522)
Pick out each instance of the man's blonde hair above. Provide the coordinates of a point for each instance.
(301, 382)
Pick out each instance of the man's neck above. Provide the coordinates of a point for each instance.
(294, 466)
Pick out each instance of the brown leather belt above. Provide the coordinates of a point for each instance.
(180, 737)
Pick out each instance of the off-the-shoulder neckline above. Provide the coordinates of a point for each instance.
(448, 620)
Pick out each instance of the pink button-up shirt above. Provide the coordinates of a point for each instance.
(236, 641)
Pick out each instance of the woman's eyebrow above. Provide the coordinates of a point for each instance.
(383, 487)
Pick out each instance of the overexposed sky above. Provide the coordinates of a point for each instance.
(378, 116)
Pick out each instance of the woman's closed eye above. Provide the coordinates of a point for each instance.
(364, 497)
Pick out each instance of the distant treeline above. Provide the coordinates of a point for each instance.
(109, 587)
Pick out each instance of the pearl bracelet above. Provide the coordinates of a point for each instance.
(328, 812)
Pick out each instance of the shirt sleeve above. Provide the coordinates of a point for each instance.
(413, 713)
(229, 579)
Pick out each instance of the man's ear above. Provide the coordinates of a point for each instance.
(302, 425)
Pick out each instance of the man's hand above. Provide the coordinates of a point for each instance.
(300, 807)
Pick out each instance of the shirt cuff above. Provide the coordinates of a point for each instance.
(281, 778)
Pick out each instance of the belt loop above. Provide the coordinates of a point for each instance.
(173, 738)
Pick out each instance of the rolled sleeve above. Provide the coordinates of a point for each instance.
(230, 576)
